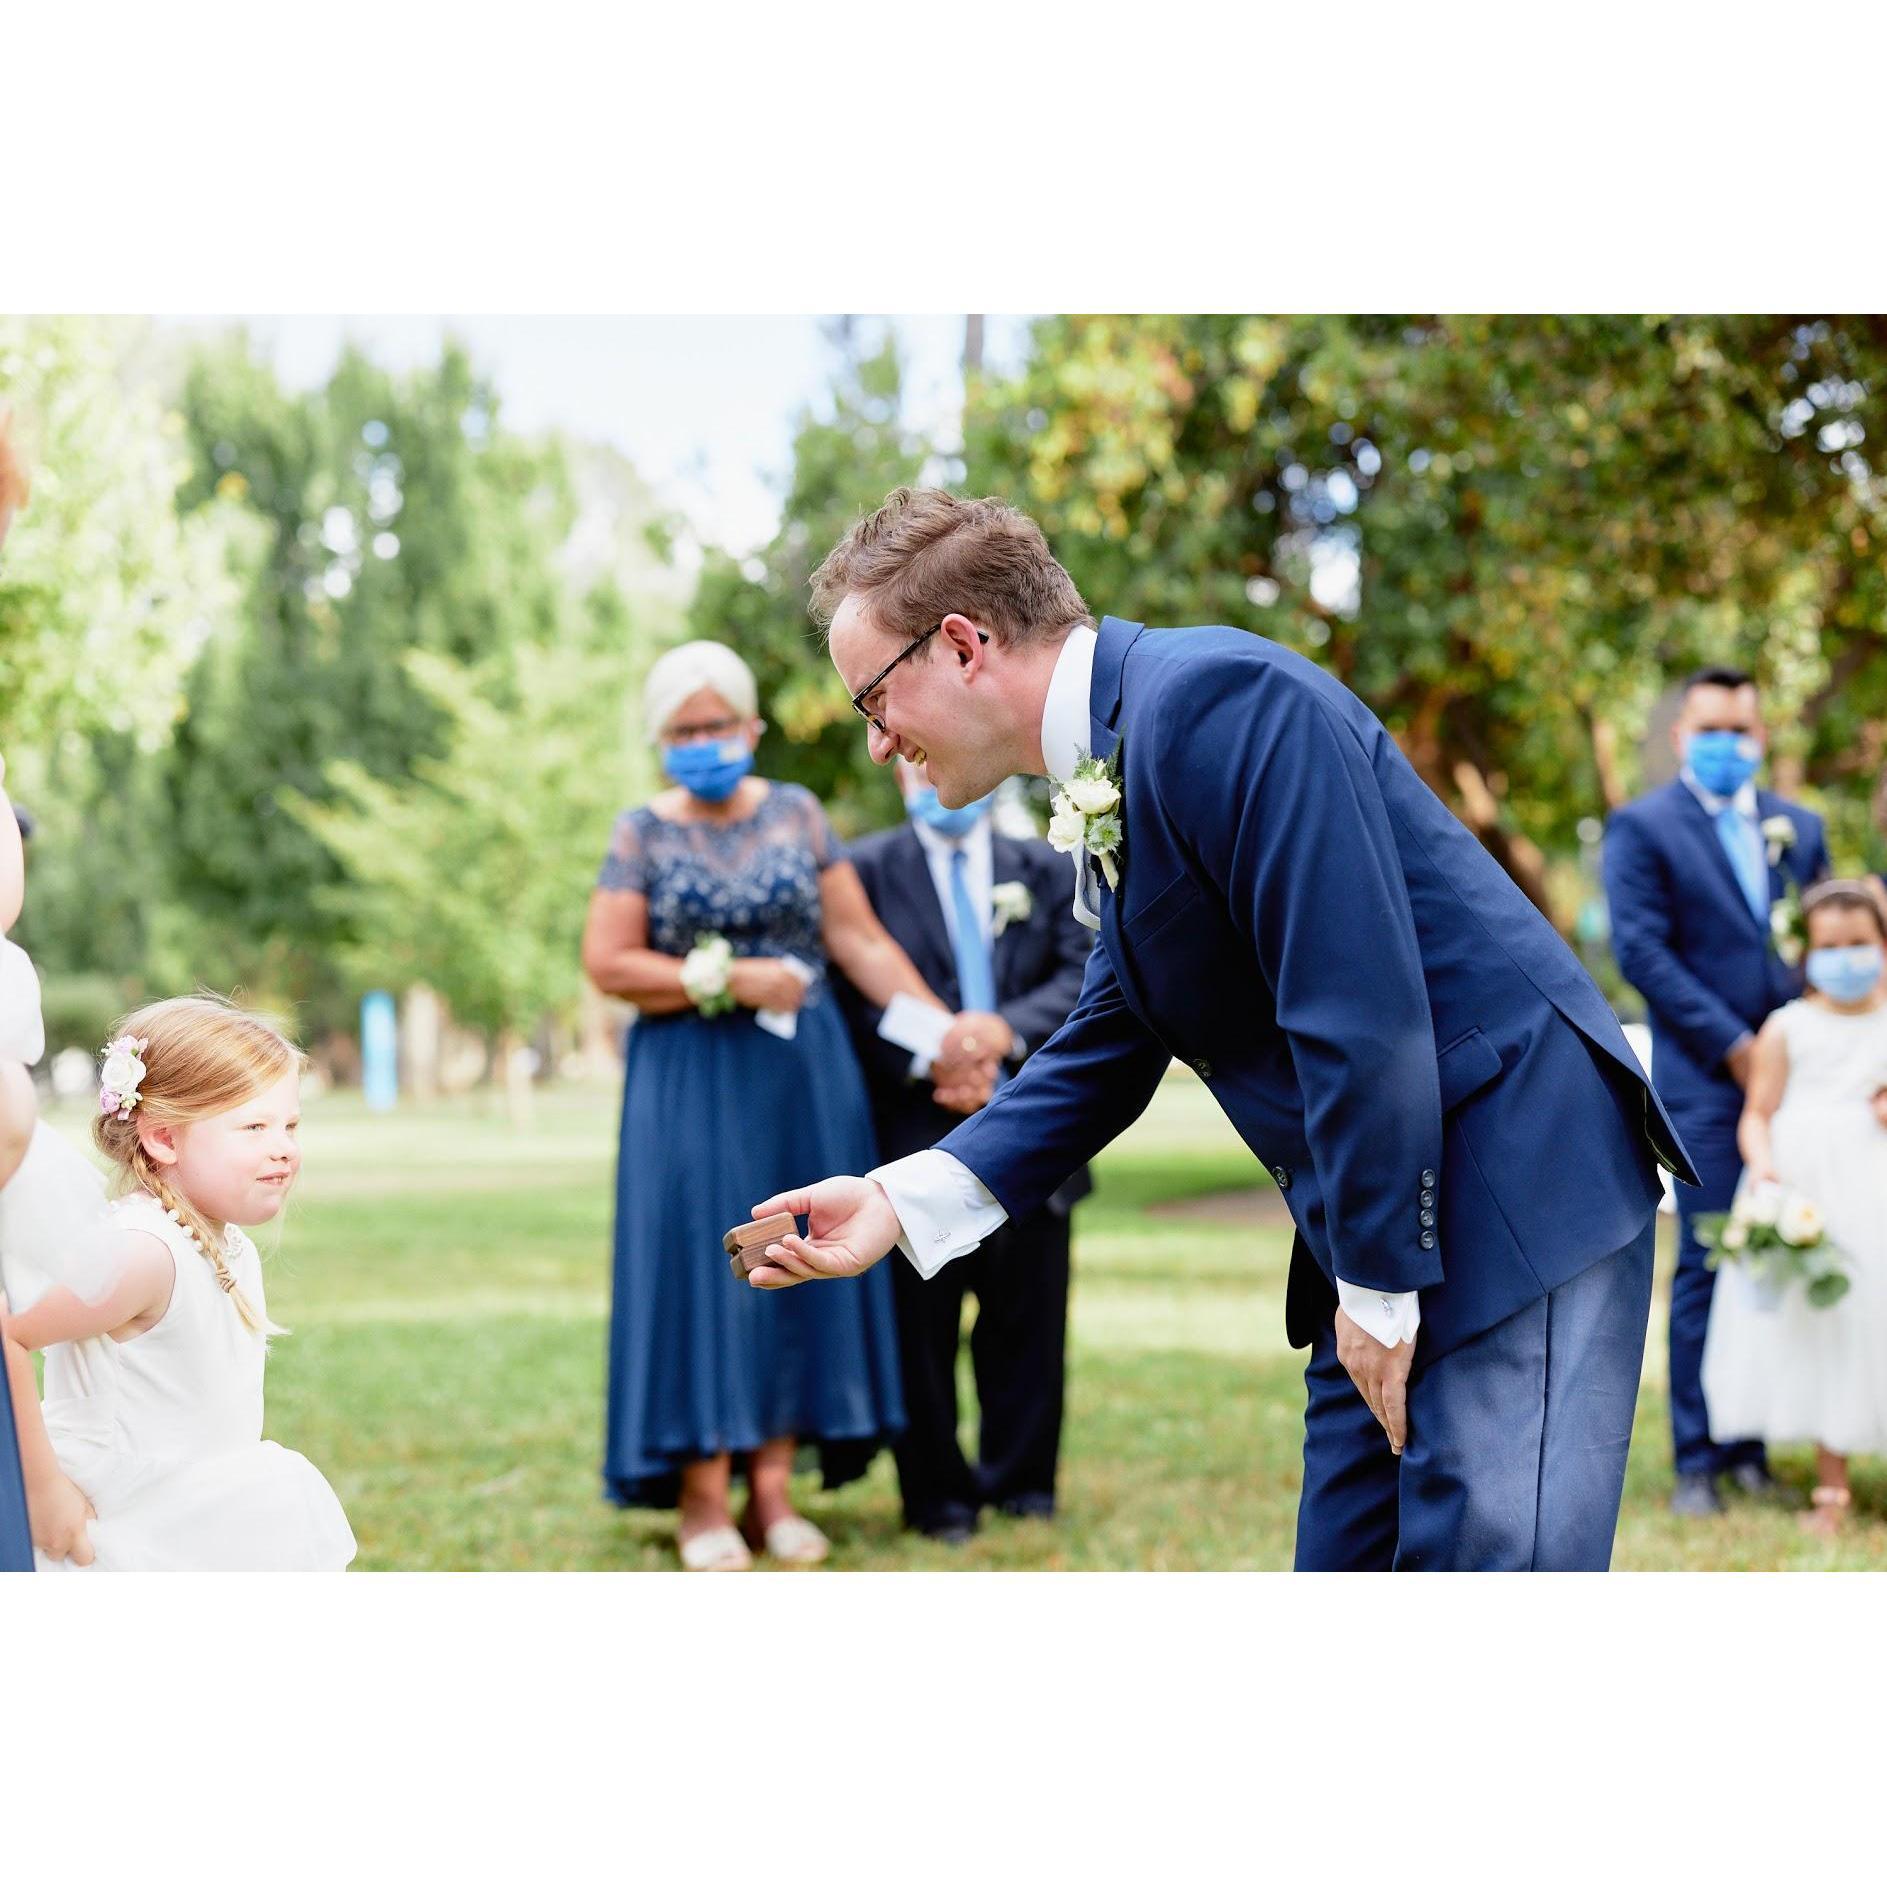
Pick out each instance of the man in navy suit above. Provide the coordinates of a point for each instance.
(1692, 874)
(988, 922)
(1450, 1110)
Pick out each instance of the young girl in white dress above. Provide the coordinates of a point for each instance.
(150, 1454)
(1815, 1121)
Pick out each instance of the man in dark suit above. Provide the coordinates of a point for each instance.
(988, 922)
(1693, 873)
(1450, 1109)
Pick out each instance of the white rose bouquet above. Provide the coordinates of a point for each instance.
(706, 973)
(1780, 1238)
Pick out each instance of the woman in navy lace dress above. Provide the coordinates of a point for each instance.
(722, 1106)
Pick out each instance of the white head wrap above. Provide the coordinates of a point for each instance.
(688, 669)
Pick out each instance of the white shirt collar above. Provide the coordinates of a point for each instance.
(1065, 736)
(1744, 799)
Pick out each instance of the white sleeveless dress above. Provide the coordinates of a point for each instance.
(53, 1226)
(1782, 1370)
(164, 1434)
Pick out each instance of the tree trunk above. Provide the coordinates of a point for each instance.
(513, 1070)
(1520, 858)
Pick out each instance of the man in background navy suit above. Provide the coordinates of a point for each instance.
(989, 923)
(1693, 872)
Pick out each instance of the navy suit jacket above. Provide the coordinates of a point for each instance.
(1685, 937)
(1038, 962)
(1442, 1094)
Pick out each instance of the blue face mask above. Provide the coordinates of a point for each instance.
(952, 821)
(1847, 974)
(709, 769)
(1722, 760)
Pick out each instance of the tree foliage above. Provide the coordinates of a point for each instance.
(1507, 534)
(844, 461)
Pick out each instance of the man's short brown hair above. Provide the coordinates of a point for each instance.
(924, 555)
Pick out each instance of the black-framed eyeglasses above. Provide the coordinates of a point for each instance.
(903, 655)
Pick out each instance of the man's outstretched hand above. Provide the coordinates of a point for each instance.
(851, 1226)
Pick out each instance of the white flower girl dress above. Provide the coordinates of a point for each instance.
(1775, 1367)
(164, 1433)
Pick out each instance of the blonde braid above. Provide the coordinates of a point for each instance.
(213, 1244)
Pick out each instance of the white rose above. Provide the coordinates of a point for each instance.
(1090, 796)
(1799, 1222)
(1734, 1236)
(1067, 828)
(1760, 1205)
(1009, 904)
(122, 1073)
(1779, 829)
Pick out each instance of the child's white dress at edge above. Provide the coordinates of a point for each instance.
(1782, 1370)
(53, 1225)
(164, 1433)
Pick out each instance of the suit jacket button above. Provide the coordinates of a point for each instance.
(1428, 1218)
(1428, 1195)
(1282, 1174)
(1428, 1176)
(1203, 1069)
(1428, 1241)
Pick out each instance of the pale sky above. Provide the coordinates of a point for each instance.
(702, 405)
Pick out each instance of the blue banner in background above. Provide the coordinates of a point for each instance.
(379, 1051)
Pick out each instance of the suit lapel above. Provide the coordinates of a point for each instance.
(934, 958)
(1008, 865)
(1106, 711)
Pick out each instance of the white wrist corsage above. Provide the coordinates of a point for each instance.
(1779, 836)
(707, 972)
(1087, 815)
(1009, 903)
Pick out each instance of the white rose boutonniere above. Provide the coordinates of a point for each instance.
(1779, 836)
(1009, 903)
(706, 972)
(1086, 816)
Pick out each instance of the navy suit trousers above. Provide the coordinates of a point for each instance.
(1517, 1440)
(1711, 1139)
(16, 1536)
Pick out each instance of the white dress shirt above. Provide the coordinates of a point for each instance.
(943, 1209)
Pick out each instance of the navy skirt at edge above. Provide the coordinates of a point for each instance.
(717, 1114)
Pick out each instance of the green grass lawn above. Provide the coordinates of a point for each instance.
(446, 1279)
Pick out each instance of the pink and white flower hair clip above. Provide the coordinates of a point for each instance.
(121, 1077)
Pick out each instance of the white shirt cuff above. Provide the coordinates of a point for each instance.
(943, 1209)
(1390, 1317)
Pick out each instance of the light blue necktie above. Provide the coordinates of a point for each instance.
(976, 980)
(1747, 860)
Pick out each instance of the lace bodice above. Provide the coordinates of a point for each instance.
(754, 880)
(1832, 1058)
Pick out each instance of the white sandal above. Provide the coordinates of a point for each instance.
(719, 1549)
(795, 1541)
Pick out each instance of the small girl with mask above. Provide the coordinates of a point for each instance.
(1815, 1121)
(147, 1454)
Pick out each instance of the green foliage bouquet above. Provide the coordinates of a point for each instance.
(1780, 1238)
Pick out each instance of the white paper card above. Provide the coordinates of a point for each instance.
(785, 1022)
(914, 1025)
